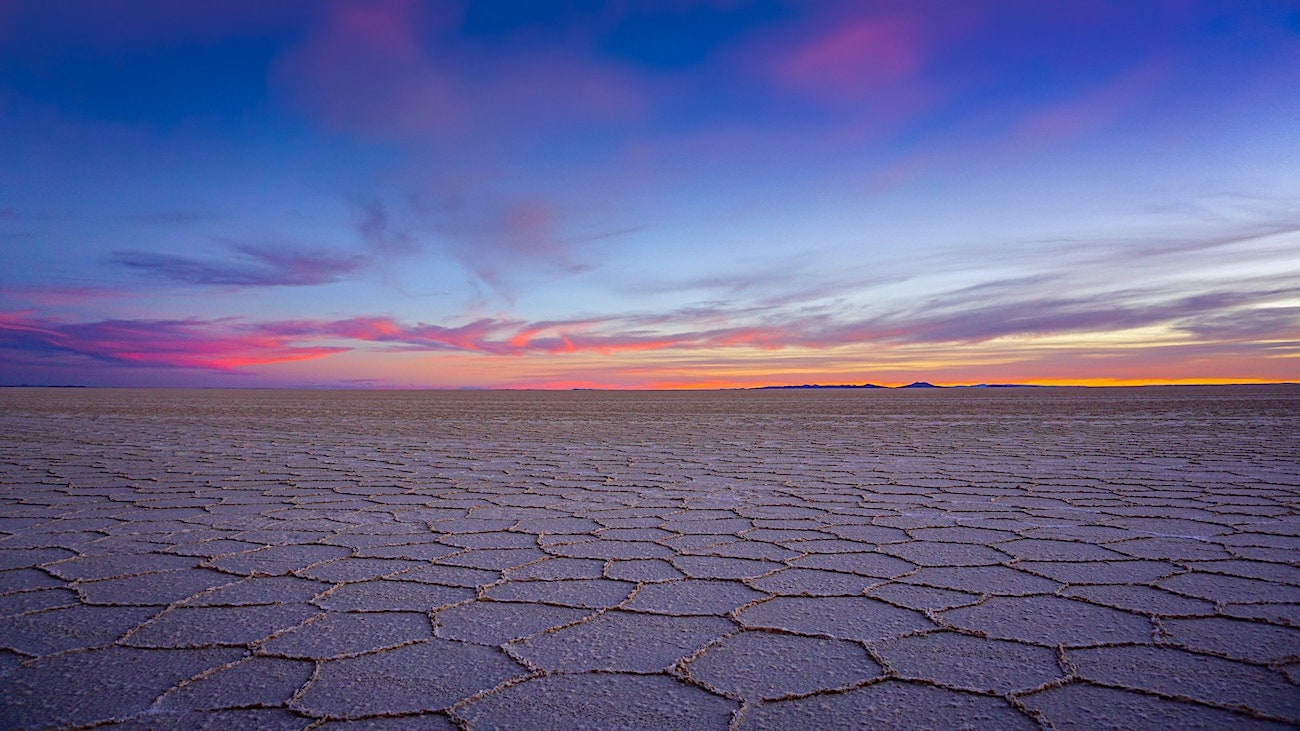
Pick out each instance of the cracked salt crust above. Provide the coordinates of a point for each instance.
(1052, 558)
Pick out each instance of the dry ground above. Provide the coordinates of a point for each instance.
(1060, 558)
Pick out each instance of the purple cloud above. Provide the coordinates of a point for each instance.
(257, 266)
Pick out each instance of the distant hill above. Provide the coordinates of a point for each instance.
(920, 384)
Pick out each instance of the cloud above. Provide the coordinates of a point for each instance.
(214, 345)
(256, 266)
(854, 60)
(394, 69)
(1093, 109)
(499, 238)
(380, 234)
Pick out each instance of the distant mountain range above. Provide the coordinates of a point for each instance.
(917, 384)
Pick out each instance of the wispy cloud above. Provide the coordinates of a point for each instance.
(217, 345)
(392, 69)
(254, 266)
(500, 239)
(381, 233)
(1234, 319)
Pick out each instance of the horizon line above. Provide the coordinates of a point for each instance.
(914, 386)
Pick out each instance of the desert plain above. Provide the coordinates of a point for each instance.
(1059, 558)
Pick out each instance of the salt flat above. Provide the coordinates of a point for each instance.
(1000, 558)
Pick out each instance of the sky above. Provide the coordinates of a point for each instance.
(648, 193)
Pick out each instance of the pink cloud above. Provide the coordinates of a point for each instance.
(1226, 318)
(204, 344)
(391, 69)
(366, 70)
(853, 61)
(1094, 109)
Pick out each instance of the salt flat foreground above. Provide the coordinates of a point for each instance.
(1060, 558)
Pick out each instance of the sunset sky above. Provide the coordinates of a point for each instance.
(648, 193)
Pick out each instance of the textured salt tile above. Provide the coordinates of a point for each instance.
(747, 549)
(450, 575)
(763, 665)
(495, 623)
(995, 580)
(869, 533)
(418, 722)
(1032, 549)
(31, 557)
(212, 549)
(1085, 533)
(25, 580)
(255, 681)
(970, 663)
(1263, 570)
(152, 589)
(1168, 548)
(559, 568)
(963, 534)
(260, 590)
(1100, 572)
(594, 701)
(104, 567)
(428, 676)
(888, 705)
(494, 558)
(850, 618)
(644, 569)
(1263, 553)
(1172, 526)
(470, 525)
(589, 593)
(57, 630)
(633, 534)
(202, 626)
(622, 641)
(551, 540)
(934, 553)
(349, 633)
(358, 569)
(1287, 614)
(922, 598)
(700, 541)
(411, 551)
(710, 567)
(777, 535)
(262, 719)
(1235, 638)
(829, 545)
(1221, 588)
(515, 514)
(557, 525)
(390, 596)
(1199, 677)
(28, 601)
(693, 596)
(1144, 599)
(612, 549)
(99, 685)
(732, 526)
(1083, 707)
(278, 560)
(867, 564)
(491, 539)
(275, 536)
(813, 582)
(1050, 620)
